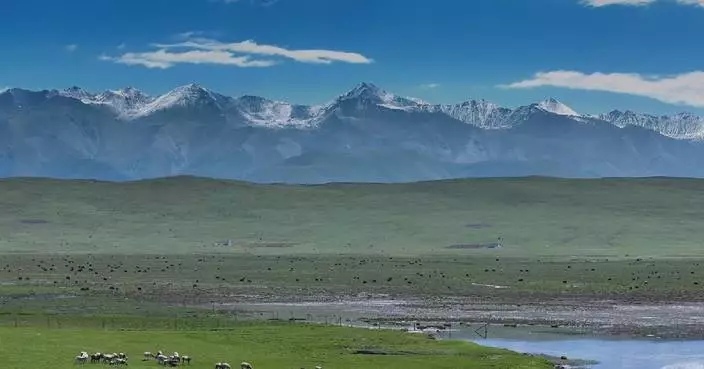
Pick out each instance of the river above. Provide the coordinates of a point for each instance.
(608, 351)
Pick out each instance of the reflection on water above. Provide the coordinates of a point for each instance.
(615, 354)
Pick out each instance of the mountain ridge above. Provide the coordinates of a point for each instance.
(366, 134)
(130, 103)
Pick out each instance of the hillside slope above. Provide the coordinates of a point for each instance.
(535, 216)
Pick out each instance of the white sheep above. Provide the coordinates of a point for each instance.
(161, 359)
(82, 358)
(245, 365)
(118, 362)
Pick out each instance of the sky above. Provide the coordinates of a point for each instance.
(594, 55)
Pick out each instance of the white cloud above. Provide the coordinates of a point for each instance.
(682, 89)
(121, 46)
(242, 54)
(71, 48)
(430, 85)
(692, 2)
(600, 3)
(315, 56)
(163, 59)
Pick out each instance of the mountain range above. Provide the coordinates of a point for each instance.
(364, 135)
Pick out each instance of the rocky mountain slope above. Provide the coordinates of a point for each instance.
(366, 134)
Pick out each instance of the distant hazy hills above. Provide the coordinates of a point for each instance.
(366, 134)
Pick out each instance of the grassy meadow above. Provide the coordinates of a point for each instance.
(135, 266)
(265, 345)
(624, 218)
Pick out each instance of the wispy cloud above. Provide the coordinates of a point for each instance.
(315, 56)
(164, 59)
(692, 2)
(682, 89)
(121, 46)
(429, 86)
(600, 3)
(188, 35)
(71, 47)
(242, 54)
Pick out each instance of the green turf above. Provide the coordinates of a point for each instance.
(535, 216)
(282, 345)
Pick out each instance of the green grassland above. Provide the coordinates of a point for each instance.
(266, 345)
(657, 217)
(134, 267)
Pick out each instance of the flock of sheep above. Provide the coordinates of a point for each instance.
(113, 359)
(174, 360)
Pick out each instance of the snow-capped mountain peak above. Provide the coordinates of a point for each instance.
(554, 106)
(184, 96)
(130, 103)
(680, 126)
(259, 111)
(367, 92)
(77, 93)
(480, 113)
(124, 101)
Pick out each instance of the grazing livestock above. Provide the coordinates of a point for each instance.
(161, 359)
(95, 358)
(147, 356)
(186, 360)
(222, 366)
(82, 358)
(245, 365)
(118, 362)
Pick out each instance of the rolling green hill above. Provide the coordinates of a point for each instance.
(535, 216)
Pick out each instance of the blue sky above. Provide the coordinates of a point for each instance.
(594, 55)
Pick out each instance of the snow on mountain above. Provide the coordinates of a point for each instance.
(681, 126)
(191, 95)
(366, 92)
(125, 101)
(77, 93)
(262, 112)
(480, 113)
(132, 104)
(553, 106)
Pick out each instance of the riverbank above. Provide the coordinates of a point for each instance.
(569, 317)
